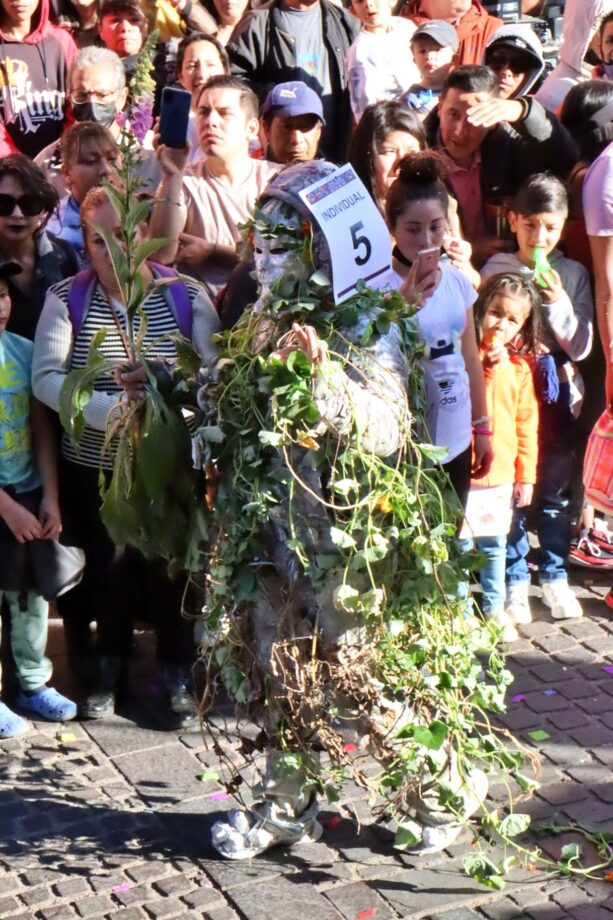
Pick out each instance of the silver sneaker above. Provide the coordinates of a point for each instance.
(517, 607)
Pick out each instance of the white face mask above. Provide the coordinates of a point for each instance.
(608, 70)
(272, 258)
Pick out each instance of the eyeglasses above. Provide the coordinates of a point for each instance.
(80, 96)
(30, 204)
(501, 61)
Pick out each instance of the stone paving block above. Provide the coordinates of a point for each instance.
(591, 912)
(423, 891)
(542, 702)
(70, 888)
(59, 912)
(561, 793)
(203, 897)
(165, 907)
(499, 910)
(594, 735)
(118, 736)
(225, 913)
(164, 775)
(287, 898)
(34, 897)
(147, 871)
(352, 900)
(575, 689)
(9, 907)
(129, 913)
(554, 642)
(596, 705)
(175, 885)
(137, 895)
(95, 906)
(567, 718)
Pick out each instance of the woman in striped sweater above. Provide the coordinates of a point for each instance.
(118, 581)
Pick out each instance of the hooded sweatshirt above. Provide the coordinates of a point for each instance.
(33, 85)
(582, 20)
(474, 29)
(520, 37)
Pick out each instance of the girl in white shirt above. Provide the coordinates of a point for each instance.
(456, 412)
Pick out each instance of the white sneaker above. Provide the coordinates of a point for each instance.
(517, 607)
(502, 619)
(559, 597)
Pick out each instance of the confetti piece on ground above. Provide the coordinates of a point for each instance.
(66, 737)
(518, 698)
(211, 776)
(350, 747)
(539, 735)
(125, 886)
(608, 668)
(218, 795)
(549, 692)
(333, 822)
(369, 912)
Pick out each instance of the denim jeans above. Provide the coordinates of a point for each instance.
(492, 573)
(550, 507)
(29, 637)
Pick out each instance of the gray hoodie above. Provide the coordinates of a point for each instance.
(569, 320)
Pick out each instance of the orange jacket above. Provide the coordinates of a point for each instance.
(474, 29)
(513, 408)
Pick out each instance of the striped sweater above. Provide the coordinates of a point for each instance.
(56, 352)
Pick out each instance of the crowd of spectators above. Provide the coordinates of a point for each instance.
(485, 139)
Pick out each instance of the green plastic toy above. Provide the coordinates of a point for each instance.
(542, 268)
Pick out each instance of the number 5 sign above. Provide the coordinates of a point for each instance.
(355, 231)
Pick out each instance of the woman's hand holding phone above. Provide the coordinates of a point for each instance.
(421, 281)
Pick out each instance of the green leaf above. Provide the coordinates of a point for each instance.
(571, 852)
(438, 733)
(408, 834)
(188, 359)
(341, 538)
(270, 438)
(143, 252)
(78, 388)
(514, 824)
(431, 452)
(526, 783)
(344, 486)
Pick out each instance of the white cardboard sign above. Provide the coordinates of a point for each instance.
(355, 231)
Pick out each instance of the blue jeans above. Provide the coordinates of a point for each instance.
(492, 573)
(550, 507)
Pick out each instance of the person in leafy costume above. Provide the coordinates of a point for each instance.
(332, 609)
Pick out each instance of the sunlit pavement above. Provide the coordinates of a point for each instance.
(111, 819)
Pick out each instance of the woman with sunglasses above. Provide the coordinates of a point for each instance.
(26, 201)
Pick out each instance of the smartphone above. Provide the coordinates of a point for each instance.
(174, 116)
(427, 262)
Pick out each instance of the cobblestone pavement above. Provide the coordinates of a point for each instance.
(111, 820)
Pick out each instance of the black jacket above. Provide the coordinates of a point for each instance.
(55, 260)
(511, 153)
(262, 52)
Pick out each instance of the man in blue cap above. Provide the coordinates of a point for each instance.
(292, 120)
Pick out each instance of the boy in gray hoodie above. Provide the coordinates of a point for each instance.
(537, 218)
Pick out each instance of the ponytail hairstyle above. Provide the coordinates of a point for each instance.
(541, 193)
(419, 177)
(515, 285)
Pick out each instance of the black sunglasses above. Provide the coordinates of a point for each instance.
(516, 64)
(30, 204)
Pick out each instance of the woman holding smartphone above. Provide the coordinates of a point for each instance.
(456, 415)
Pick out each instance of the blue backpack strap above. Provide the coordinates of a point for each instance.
(79, 297)
(177, 297)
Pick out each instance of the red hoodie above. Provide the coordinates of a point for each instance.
(474, 29)
(33, 85)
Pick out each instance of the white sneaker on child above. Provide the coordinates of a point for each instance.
(502, 619)
(517, 607)
(559, 597)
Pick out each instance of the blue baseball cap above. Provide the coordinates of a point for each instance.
(286, 100)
